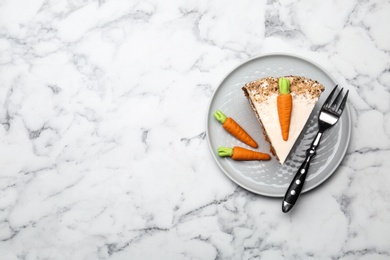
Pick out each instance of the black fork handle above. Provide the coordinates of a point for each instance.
(295, 188)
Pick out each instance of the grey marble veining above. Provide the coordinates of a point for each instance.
(103, 149)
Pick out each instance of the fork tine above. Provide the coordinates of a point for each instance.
(342, 104)
(327, 101)
(336, 100)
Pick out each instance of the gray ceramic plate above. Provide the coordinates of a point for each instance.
(269, 178)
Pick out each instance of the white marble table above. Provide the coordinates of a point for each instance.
(103, 149)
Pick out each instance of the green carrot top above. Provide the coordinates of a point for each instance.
(225, 151)
(220, 116)
(284, 86)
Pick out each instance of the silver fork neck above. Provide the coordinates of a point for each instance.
(328, 118)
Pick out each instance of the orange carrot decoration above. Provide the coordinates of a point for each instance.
(284, 103)
(235, 129)
(241, 154)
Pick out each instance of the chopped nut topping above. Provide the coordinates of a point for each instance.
(261, 88)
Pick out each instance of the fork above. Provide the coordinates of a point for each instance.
(329, 115)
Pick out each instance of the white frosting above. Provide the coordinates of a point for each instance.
(267, 110)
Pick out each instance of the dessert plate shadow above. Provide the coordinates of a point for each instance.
(270, 178)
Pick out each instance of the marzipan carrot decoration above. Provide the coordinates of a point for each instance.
(235, 129)
(284, 103)
(242, 154)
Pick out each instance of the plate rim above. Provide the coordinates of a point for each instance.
(347, 109)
